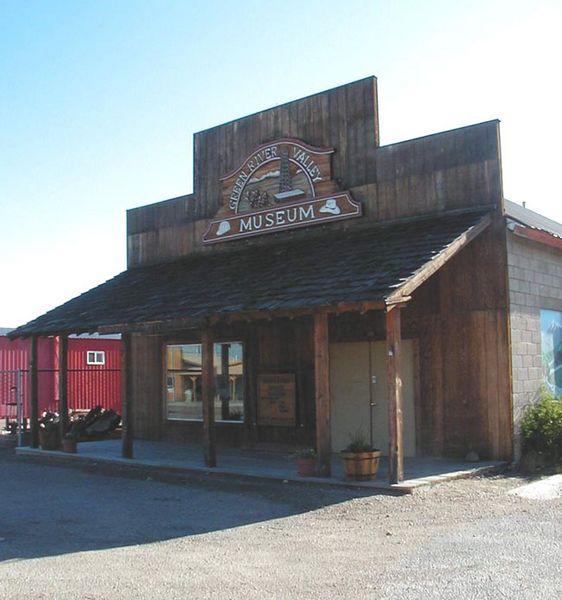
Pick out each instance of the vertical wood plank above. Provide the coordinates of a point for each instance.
(491, 381)
(126, 398)
(34, 393)
(394, 378)
(297, 336)
(417, 397)
(225, 376)
(63, 384)
(208, 393)
(437, 377)
(322, 395)
(251, 352)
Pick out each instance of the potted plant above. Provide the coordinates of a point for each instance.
(69, 442)
(306, 462)
(360, 459)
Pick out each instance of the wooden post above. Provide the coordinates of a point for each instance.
(208, 392)
(34, 393)
(225, 381)
(394, 377)
(63, 384)
(250, 385)
(126, 398)
(322, 395)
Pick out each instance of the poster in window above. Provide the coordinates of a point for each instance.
(276, 399)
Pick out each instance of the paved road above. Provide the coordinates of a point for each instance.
(70, 533)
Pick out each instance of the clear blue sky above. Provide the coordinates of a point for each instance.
(99, 101)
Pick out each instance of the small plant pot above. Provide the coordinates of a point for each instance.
(361, 466)
(69, 446)
(306, 467)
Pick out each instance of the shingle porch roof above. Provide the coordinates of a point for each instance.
(357, 265)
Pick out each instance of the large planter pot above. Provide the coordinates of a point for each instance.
(361, 466)
(306, 467)
(49, 439)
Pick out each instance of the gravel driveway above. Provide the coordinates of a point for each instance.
(70, 533)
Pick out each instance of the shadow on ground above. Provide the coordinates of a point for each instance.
(48, 510)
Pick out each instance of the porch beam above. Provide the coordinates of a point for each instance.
(127, 431)
(394, 379)
(322, 395)
(261, 315)
(208, 393)
(34, 393)
(155, 327)
(63, 384)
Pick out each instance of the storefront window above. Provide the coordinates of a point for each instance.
(183, 381)
(551, 347)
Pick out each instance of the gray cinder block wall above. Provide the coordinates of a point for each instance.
(535, 283)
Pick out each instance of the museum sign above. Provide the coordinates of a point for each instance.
(282, 185)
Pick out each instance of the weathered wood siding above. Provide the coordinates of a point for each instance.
(286, 346)
(147, 386)
(460, 319)
(446, 171)
(344, 118)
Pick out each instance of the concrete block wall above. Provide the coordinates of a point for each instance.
(535, 283)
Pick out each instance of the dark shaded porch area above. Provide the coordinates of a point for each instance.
(175, 458)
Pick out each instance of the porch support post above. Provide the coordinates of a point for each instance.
(34, 393)
(126, 398)
(63, 384)
(208, 392)
(394, 378)
(322, 395)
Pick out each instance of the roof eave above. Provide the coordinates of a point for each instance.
(536, 235)
(404, 292)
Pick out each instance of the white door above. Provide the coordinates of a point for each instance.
(359, 394)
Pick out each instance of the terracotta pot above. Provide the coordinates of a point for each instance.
(69, 446)
(306, 467)
(361, 466)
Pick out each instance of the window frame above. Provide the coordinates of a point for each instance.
(190, 342)
(95, 357)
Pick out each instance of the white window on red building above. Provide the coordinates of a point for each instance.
(95, 357)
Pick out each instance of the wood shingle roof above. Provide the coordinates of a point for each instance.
(356, 265)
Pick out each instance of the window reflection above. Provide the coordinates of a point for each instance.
(183, 381)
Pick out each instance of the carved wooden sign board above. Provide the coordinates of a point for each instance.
(281, 185)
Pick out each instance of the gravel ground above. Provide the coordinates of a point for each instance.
(69, 533)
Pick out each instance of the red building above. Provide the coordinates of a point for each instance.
(94, 376)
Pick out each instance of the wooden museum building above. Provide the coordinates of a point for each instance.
(317, 284)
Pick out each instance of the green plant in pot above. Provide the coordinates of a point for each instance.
(306, 462)
(360, 459)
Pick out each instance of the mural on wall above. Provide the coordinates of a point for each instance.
(281, 185)
(551, 348)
